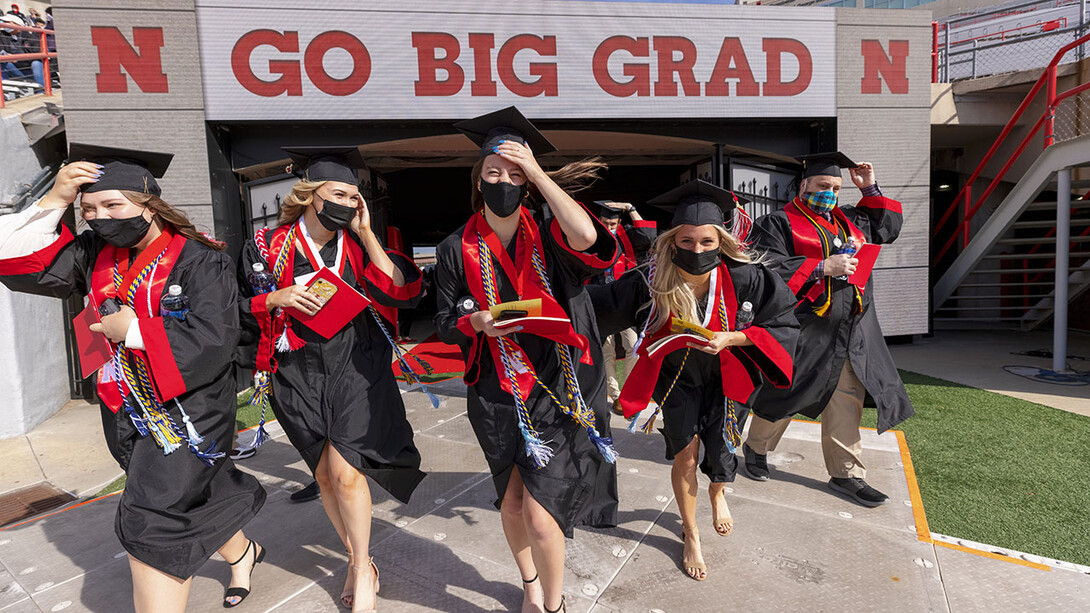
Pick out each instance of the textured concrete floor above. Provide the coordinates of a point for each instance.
(796, 545)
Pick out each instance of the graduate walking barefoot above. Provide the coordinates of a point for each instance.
(702, 278)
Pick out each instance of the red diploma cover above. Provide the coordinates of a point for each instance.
(94, 349)
(341, 304)
(867, 255)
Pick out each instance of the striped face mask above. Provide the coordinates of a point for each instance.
(820, 202)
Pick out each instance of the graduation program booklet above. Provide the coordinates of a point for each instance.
(531, 316)
(94, 349)
(340, 304)
(682, 333)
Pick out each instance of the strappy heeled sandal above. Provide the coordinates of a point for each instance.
(241, 592)
(348, 593)
(563, 607)
(374, 569)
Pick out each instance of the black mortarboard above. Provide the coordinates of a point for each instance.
(606, 211)
(505, 124)
(828, 163)
(127, 169)
(326, 163)
(698, 203)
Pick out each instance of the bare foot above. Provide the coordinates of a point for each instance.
(533, 597)
(692, 559)
(349, 585)
(721, 517)
(366, 587)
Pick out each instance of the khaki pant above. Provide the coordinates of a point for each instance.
(609, 350)
(840, 441)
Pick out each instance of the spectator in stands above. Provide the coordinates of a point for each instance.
(24, 20)
(13, 42)
(50, 41)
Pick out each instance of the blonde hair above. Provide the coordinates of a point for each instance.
(572, 178)
(172, 216)
(669, 291)
(301, 196)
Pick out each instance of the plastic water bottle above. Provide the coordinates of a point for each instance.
(843, 248)
(744, 318)
(174, 303)
(261, 281)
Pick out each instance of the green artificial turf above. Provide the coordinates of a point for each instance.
(999, 470)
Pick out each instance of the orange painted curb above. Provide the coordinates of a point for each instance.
(994, 556)
(34, 519)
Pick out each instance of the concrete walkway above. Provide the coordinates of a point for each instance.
(796, 545)
(976, 358)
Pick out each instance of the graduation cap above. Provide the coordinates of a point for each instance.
(127, 169)
(326, 163)
(828, 163)
(698, 203)
(505, 124)
(607, 212)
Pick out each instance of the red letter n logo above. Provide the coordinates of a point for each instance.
(877, 66)
(144, 66)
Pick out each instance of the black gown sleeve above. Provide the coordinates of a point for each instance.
(59, 270)
(581, 266)
(879, 218)
(254, 319)
(622, 304)
(775, 331)
(187, 354)
(450, 289)
(771, 238)
(642, 235)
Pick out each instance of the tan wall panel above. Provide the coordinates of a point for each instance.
(901, 297)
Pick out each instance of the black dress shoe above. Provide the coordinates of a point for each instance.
(858, 490)
(756, 464)
(307, 494)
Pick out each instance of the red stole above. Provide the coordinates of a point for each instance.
(145, 298)
(736, 381)
(527, 284)
(809, 241)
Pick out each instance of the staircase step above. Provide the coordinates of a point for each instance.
(1042, 240)
(1009, 271)
(1032, 256)
(1019, 225)
(996, 285)
(1051, 206)
(1009, 296)
(962, 309)
(968, 319)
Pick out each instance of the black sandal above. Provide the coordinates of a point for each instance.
(242, 592)
(529, 581)
(563, 607)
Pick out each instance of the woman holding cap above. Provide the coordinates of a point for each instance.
(167, 299)
(714, 322)
(333, 390)
(536, 387)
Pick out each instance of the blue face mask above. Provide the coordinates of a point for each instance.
(821, 202)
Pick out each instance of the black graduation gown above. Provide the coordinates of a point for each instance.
(577, 487)
(695, 406)
(341, 389)
(825, 342)
(175, 510)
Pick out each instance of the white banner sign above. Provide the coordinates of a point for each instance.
(348, 60)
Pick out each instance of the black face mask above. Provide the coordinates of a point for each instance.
(502, 198)
(121, 233)
(696, 263)
(335, 216)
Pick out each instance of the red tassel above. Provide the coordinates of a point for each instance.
(288, 341)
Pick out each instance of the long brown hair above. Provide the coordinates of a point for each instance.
(572, 178)
(301, 196)
(669, 291)
(174, 217)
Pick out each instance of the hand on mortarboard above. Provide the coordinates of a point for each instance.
(863, 175)
(521, 155)
(67, 185)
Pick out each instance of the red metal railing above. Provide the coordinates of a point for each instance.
(43, 54)
(964, 199)
(935, 52)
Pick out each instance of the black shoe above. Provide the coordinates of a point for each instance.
(858, 490)
(307, 494)
(756, 464)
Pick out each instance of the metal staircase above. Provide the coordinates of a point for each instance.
(1032, 253)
